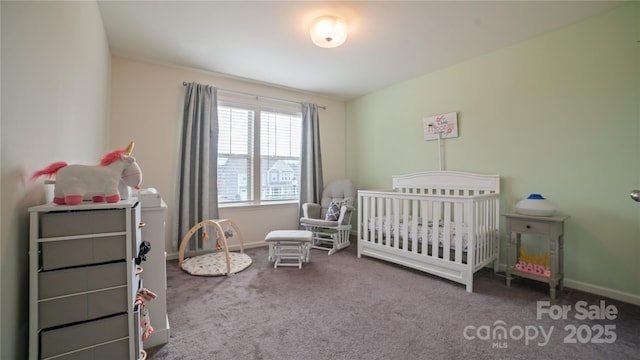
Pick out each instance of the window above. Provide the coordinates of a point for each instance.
(258, 153)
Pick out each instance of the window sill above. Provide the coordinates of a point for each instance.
(237, 205)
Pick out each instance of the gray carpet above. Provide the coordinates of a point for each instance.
(342, 307)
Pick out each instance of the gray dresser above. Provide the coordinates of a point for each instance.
(84, 280)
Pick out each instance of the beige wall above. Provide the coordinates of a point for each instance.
(55, 81)
(146, 106)
(557, 115)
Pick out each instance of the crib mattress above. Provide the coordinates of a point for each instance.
(381, 226)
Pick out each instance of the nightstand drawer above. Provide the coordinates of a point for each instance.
(529, 227)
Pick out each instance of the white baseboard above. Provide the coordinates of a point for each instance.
(174, 255)
(596, 290)
(603, 291)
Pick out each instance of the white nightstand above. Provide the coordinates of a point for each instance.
(551, 227)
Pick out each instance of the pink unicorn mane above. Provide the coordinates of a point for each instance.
(113, 156)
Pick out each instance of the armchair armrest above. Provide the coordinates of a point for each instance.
(311, 210)
(345, 214)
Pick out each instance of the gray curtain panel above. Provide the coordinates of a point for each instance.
(311, 183)
(198, 185)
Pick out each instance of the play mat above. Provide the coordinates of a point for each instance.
(220, 262)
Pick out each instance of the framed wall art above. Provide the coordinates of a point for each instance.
(441, 126)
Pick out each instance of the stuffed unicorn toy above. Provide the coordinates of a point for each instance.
(100, 182)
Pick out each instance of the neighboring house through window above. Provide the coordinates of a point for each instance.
(258, 152)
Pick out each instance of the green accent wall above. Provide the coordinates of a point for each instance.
(557, 115)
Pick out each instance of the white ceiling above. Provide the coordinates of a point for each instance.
(389, 41)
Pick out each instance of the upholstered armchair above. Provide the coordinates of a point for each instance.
(330, 221)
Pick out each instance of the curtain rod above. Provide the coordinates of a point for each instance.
(184, 83)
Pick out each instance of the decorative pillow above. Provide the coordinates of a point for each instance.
(333, 212)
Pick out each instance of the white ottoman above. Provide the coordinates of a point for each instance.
(289, 247)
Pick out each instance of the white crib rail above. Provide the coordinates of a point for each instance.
(392, 223)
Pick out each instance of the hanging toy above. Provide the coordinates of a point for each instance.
(218, 246)
(142, 296)
(206, 238)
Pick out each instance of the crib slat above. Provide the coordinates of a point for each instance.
(388, 219)
(470, 223)
(395, 218)
(435, 233)
(460, 231)
(363, 217)
(424, 217)
(375, 230)
(379, 216)
(481, 236)
(446, 238)
(480, 243)
(405, 222)
(415, 215)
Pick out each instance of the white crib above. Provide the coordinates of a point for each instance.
(459, 210)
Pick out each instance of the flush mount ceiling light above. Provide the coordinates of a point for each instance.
(328, 31)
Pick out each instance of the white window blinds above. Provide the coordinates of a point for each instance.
(257, 146)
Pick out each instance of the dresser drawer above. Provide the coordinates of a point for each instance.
(69, 223)
(530, 227)
(85, 251)
(61, 340)
(110, 351)
(81, 279)
(82, 307)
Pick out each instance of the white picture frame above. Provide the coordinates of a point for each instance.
(441, 126)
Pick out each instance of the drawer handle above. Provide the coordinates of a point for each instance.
(528, 226)
(141, 225)
(139, 269)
